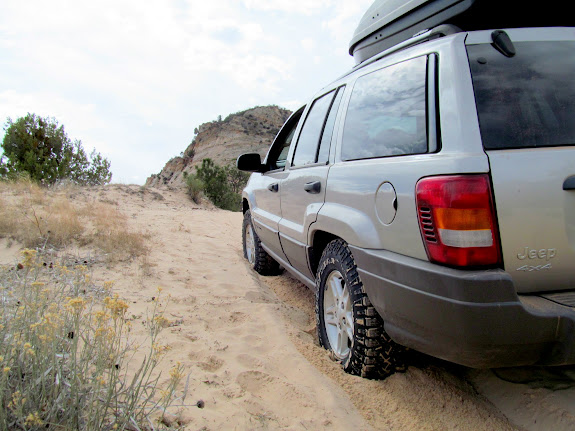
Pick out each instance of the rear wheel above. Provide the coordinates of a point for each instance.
(347, 323)
(257, 257)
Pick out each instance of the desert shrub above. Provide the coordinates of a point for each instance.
(194, 187)
(40, 148)
(237, 179)
(66, 358)
(190, 151)
(215, 182)
(222, 185)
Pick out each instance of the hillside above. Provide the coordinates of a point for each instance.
(223, 141)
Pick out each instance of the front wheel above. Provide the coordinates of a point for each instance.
(347, 323)
(257, 257)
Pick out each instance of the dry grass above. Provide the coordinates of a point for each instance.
(36, 217)
(111, 233)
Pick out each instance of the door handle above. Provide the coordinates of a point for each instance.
(314, 187)
(569, 183)
(273, 187)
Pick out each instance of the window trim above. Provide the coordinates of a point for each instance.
(433, 129)
(338, 90)
(309, 165)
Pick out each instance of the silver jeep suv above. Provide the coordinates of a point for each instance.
(428, 197)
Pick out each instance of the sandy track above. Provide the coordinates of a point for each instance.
(248, 342)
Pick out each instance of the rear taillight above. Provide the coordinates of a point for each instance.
(457, 220)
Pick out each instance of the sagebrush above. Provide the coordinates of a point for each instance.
(66, 357)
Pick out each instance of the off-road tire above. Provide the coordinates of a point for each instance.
(257, 257)
(372, 353)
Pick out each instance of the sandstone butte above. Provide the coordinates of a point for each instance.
(252, 130)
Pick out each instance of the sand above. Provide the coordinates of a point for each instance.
(248, 342)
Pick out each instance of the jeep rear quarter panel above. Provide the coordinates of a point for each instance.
(350, 211)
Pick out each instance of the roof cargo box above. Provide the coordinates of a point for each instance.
(389, 22)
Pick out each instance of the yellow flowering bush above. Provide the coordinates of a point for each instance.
(64, 353)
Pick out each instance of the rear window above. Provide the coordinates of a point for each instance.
(527, 100)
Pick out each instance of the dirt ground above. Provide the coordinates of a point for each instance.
(248, 342)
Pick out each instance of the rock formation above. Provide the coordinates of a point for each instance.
(223, 141)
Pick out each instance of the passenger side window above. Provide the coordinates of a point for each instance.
(386, 114)
(281, 161)
(307, 145)
(280, 148)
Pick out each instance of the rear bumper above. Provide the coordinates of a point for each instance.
(473, 318)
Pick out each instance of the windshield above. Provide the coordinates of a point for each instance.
(527, 100)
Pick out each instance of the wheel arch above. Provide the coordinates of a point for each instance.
(353, 226)
(319, 241)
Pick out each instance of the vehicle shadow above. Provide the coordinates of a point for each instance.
(552, 378)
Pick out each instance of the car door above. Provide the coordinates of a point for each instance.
(266, 210)
(303, 188)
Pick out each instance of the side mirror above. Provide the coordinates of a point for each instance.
(250, 162)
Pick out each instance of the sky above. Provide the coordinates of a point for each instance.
(133, 79)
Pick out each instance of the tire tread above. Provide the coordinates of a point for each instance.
(373, 355)
(264, 264)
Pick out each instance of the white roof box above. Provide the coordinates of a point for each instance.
(389, 22)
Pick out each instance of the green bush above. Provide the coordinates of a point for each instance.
(222, 185)
(41, 148)
(194, 186)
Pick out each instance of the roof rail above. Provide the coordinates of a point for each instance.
(423, 36)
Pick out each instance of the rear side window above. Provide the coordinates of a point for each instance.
(317, 130)
(527, 100)
(386, 113)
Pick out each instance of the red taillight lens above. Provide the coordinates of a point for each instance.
(457, 220)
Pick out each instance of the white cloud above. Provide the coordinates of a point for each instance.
(292, 105)
(343, 22)
(83, 116)
(308, 44)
